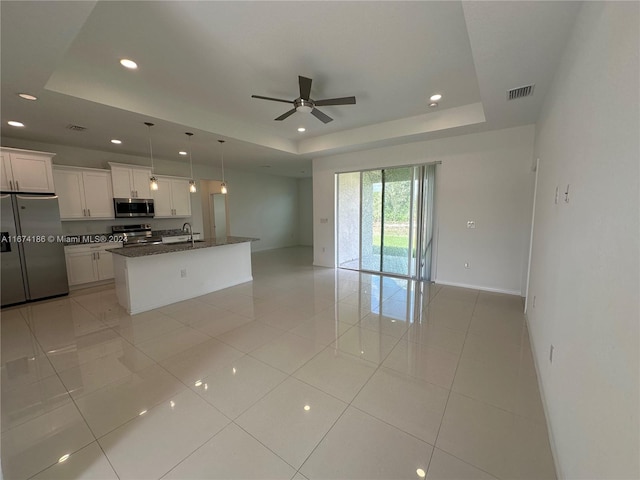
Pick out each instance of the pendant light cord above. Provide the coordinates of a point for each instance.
(222, 158)
(189, 134)
(148, 124)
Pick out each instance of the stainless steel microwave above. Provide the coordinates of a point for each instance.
(133, 207)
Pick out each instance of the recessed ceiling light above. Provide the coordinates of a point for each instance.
(182, 153)
(116, 141)
(302, 129)
(435, 98)
(27, 96)
(13, 123)
(433, 104)
(125, 62)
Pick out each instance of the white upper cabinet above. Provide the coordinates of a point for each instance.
(172, 199)
(162, 198)
(26, 171)
(83, 193)
(130, 181)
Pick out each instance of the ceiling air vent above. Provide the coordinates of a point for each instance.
(520, 92)
(76, 128)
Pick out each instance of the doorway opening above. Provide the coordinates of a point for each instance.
(215, 209)
(385, 220)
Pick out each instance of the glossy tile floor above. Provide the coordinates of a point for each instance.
(303, 373)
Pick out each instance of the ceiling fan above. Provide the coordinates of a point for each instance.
(305, 104)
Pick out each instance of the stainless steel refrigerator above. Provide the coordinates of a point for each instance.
(31, 253)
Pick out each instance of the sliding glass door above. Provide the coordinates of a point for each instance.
(384, 220)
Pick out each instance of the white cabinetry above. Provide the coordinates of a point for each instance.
(25, 171)
(130, 181)
(89, 263)
(172, 199)
(83, 193)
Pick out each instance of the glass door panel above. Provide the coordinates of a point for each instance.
(349, 220)
(396, 220)
(384, 220)
(371, 221)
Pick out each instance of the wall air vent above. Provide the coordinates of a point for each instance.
(76, 128)
(520, 92)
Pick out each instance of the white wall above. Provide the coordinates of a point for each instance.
(261, 206)
(265, 207)
(485, 177)
(585, 263)
(305, 211)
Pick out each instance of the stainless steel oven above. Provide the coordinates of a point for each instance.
(133, 207)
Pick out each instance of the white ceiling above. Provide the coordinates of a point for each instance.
(200, 62)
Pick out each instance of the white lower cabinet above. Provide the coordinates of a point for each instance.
(89, 263)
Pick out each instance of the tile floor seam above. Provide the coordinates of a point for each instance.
(95, 439)
(471, 465)
(251, 405)
(154, 405)
(97, 358)
(360, 409)
(195, 450)
(261, 443)
(453, 381)
(349, 404)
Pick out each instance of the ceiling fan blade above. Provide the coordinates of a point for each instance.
(336, 101)
(323, 117)
(287, 114)
(305, 87)
(270, 98)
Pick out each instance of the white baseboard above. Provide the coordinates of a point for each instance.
(479, 287)
(543, 397)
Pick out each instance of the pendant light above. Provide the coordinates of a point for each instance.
(223, 186)
(192, 183)
(153, 181)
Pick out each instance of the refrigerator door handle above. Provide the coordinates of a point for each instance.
(17, 186)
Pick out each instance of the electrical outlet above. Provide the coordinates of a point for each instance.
(471, 224)
(551, 354)
(183, 273)
(467, 265)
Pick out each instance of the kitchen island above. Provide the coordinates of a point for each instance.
(152, 276)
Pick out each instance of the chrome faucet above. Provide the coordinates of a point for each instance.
(190, 232)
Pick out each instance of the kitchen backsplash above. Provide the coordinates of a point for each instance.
(104, 226)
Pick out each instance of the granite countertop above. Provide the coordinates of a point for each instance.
(146, 250)
(84, 238)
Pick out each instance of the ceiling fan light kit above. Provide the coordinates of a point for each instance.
(305, 104)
